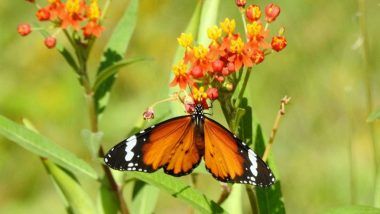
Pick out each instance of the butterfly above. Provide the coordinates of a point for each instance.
(177, 145)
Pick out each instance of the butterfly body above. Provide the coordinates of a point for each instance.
(177, 145)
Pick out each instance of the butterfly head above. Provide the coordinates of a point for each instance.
(198, 110)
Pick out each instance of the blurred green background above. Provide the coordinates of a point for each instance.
(321, 69)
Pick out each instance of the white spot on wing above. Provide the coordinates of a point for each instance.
(252, 158)
(131, 143)
(130, 164)
(105, 160)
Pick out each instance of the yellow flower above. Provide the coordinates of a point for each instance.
(214, 33)
(254, 29)
(94, 11)
(237, 45)
(228, 25)
(180, 68)
(185, 40)
(199, 94)
(200, 52)
(72, 6)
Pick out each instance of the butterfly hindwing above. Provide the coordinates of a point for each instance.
(170, 144)
(228, 159)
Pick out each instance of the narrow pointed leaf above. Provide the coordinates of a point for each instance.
(144, 197)
(107, 201)
(208, 19)
(270, 200)
(179, 190)
(234, 202)
(43, 147)
(114, 52)
(112, 70)
(77, 199)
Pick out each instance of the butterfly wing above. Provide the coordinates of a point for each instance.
(169, 144)
(230, 160)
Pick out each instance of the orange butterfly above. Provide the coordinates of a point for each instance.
(178, 144)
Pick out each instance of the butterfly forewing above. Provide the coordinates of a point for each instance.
(170, 144)
(230, 160)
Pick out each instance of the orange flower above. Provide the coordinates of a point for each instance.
(278, 43)
(92, 28)
(239, 53)
(181, 78)
(73, 14)
(200, 96)
(253, 13)
(43, 14)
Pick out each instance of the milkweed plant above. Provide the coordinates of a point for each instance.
(214, 62)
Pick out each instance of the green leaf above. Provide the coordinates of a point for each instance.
(270, 199)
(374, 116)
(192, 27)
(77, 199)
(112, 70)
(208, 18)
(68, 57)
(234, 202)
(114, 52)
(179, 190)
(43, 147)
(92, 141)
(107, 201)
(354, 210)
(144, 197)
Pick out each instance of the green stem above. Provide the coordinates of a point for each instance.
(368, 85)
(82, 57)
(244, 86)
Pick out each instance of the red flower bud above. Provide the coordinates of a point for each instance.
(258, 56)
(197, 72)
(212, 93)
(225, 72)
(43, 14)
(278, 43)
(253, 13)
(240, 3)
(50, 42)
(217, 65)
(24, 29)
(271, 12)
(231, 67)
(220, 78)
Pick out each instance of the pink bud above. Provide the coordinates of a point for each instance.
(148, 114)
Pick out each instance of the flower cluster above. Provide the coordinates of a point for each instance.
(76, 15)
(205, 70)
